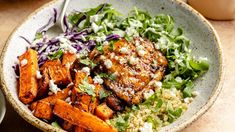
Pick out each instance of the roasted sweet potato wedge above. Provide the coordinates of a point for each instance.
(60, 74)
(52, 98)
(28, 81)
(103, 112)
(79, 129)
(68, 58)
(50, 63)
(81, 118)
(43, 110)
(43, 84)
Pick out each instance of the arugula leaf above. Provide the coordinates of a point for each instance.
(187, 92)
(56, 55)
(199, 65)
(174, 114)
(121, 122)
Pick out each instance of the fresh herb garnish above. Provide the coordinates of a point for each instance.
(88, 62)
(87, 87)
(38, 35)
(108, 76)
(56, 55)
(104, 94)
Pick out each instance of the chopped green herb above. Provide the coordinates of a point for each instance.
(109, 76)
(87, 87)
(56, 55)
(38, 35)
(104, 94)
(88, 62)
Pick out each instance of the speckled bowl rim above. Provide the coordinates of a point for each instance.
(46, 127)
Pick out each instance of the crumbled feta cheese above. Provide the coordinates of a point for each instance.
(105, 43)
(102, 57)
(135, 23)
(148, 93)
(133, 60)
(137, 43)
(147, 127)
(195, 93)
(119, 32)
(38, 75)
(123, 50)
(108, 24)
(95, 27)
(157, 84)
(188, 100)
(94, 18)
(68, 99)
(101, 38)
(98, 79)
(108, 63)
(203, 59)
(112, 55)
(66, 45)
(70, 92)
(23, 62)
(86, 70)
(130, 31)
(141, 53)
(53, 87)
(178, 79)
(70, 84)
(122, 60)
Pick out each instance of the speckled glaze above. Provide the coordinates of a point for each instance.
(204, 43)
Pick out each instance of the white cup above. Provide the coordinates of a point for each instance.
(215, 9)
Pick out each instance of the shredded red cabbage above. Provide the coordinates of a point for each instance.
(112, 37)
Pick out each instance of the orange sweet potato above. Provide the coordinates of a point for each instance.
(50, 63)
(60, 74)
(28, 81)
(103, 112)
(43, 84)
(43, 110)
(79, 129)
(68, 58)
(52, 98)
(81, 118)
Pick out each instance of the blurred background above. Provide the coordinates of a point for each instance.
(220, 117)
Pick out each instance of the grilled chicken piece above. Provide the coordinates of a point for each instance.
(114, 103)
(135, 64)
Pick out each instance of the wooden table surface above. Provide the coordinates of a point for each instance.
(220, 117)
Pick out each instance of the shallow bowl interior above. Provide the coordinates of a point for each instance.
(204, 43)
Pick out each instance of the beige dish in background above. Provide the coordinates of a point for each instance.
(215, 9)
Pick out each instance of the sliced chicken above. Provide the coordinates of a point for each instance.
(134, 64)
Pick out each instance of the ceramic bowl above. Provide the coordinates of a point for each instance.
(2, 106)
(204, 43)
